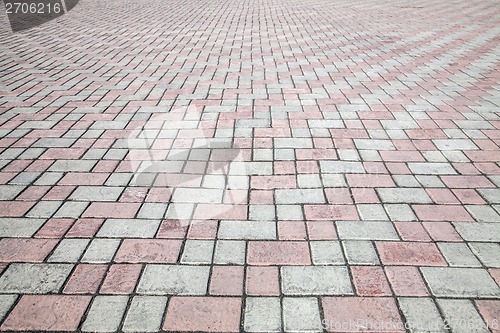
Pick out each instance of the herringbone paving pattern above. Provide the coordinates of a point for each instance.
(252, 166)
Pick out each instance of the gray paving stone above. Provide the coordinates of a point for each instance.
(430, 181)
(197, 251)
(400, 212)
(180, 211)
(333, 180)
(262, 212)
(230, 252)
(150, 210)
(34, 278)
(458, 255)
(174, 280)
(72, 165)
(492, 195)
(360, 253)
(280, 143)
(461, 316)
(69, 250)
(309, 180)
(488, 253)
(299, 196)
(301, 315)
(262, 314)
(374, 144)
(6, 302)
(315, 280)
(101, 250)
(247, 230)
(424, 168)
(198, 195)
(145, 314)
(118, 179)
(405, 181)
(96, 193)
(72, 209)
(105, 314)
(290, 213)
(49, 178)
(455, 144)
(403, 195)
(372, 212)
(341, 167)
(129, 228)
(460, 282)
(19, 227)
(44, 209)
(421, 315)
(251, 168)
(327, 253)
(478, 232)
(366, 230)
(9, 192)
(483, 213)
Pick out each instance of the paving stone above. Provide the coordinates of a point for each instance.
(262, 314)
(458, 254)
(69, 250)
(152, 210)
(174, 280)
(9, 192)
(315, 280)
(71, 209)
(360, 253)
(492, 195)
(247, 230)
(365, 230)
(431, 168)
(488, 253)
(482, 213)
(374, 144)
(372, 212)
(454, 144)
(44, 209)
(421, 315)
(299, 196)
(278, 253)
(197, 252)
(34, 278)
(19, 227)
(6, 302)
(96, 193)
(341, 167)
(289, 213)
(478, 232)
(230, 252)
(403, 195)
(460, 282)
(101, 250)
(461, 316)
(132, 228)
(400, 212)
(145, 314)
(326, 253)
(105, 314)
(301, 315)
(262, 212)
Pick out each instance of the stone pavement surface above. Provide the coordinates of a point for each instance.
(252, 166)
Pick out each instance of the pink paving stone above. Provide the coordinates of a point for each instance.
(121, 279)
(284, 167)
(338, 196)
(112, 210)
(402, 156)
(59, 193)
(159, 194)
(451, 213)
(412, 231)
(202, 229)
(272, 182)
(398, 168)
(466, 169)
(342, 314)
(149, 251)
(227, 280)
(370, 281)
(136, 194)
(172, 229)
(54, 228)
(47, 313)
(466, 181)
(15, 208)
(364, 195)
(292, 230)
(278, 253)
(442, 196)
(83, 178)
(33, 193)
(262, 281)
(261, 197)
(331, 212)
(410, 253)
(62, 153)
(85, 279)
(85, 227)
(468, 196)
(369, 180)
(206, 314)
(307, 167)
(321, 230)
(490, 311)
(316, 154)
(25, 250)
(495, 274)
(483, 156)
(442, 232)
(406, 281)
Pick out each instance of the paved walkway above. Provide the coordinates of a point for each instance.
(263, 165)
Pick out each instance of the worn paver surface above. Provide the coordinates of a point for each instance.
(252, 166)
